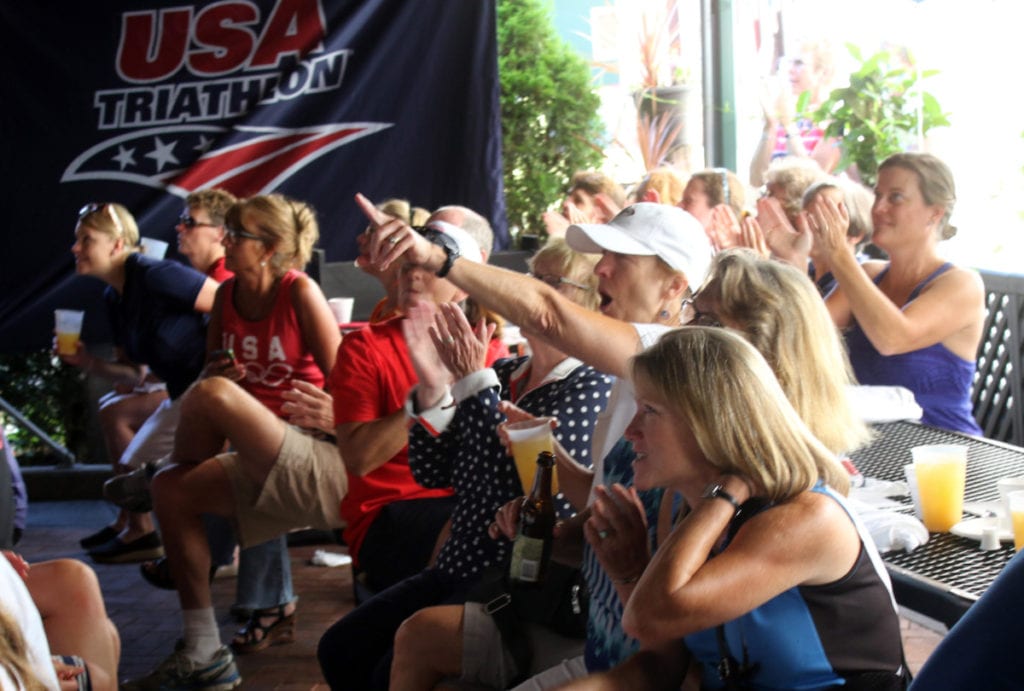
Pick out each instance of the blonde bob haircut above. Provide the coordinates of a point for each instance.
(577, 267)
(782, 315)
(287, 224)
(114, 220)
(721, 388)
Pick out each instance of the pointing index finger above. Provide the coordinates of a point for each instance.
(376, 217)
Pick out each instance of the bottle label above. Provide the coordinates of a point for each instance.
(527, 557)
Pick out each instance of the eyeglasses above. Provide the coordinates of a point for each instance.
(93, 207)
(234, 234)
(555, 280)
(698, 318)
(186, 220)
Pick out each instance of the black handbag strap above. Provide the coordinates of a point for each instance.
(493, 593)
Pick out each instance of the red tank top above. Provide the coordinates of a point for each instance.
(272, 350)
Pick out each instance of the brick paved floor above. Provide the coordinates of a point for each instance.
(149, 621)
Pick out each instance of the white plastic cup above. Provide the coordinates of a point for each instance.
(151, 247)
(908, 472)
(941, 471)
(529, 438)
(68, 325)
(1007, 485)
(342, 308)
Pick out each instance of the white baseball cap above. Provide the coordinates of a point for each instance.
(649, 229)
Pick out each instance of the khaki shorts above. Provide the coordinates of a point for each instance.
(303, 489)
(485, 660)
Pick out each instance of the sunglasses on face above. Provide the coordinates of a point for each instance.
(94, 207)
(236, 234)
(555, 280)
(188, 222)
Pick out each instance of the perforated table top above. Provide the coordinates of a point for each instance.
(947, 563)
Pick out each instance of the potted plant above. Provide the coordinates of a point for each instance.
(664, 89)
(879, 113)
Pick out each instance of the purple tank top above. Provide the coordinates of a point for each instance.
(939, 379)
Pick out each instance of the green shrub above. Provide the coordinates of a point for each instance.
(52, 396)
(549, 119)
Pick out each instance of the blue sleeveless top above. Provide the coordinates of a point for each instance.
(812, 637)
(939, 379)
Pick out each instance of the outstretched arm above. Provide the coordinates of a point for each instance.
(600, 341)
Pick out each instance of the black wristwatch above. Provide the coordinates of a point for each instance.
(716, 490)
(445, 242)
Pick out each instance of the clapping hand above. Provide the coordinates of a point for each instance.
(791, 245)
(829, 222)
(617, 532)
(461, 347)
(724, 230)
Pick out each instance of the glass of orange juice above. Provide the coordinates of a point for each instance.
(941, 471)
(68, 325)
(529, 438)
(1015, 503)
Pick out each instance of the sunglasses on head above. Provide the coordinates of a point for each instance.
(186, 220)
(94, 207)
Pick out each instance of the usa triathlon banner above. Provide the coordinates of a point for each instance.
(142, 102)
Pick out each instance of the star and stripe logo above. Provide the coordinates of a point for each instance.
(246, 160)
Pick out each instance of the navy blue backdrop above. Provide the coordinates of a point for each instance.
(143, 102)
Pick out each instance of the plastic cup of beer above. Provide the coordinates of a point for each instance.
(941, 471)
(1015, 501)
(529, 438)
(68, 325)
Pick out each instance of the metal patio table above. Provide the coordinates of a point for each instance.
(944, 577)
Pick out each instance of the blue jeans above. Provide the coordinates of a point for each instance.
(264, 570)
(265, 575)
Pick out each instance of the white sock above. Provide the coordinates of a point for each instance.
(202, 638)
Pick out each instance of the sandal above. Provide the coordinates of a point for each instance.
(158, 572)
(258, 633)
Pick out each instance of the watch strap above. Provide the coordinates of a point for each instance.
(717, 491)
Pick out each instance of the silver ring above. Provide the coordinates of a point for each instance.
(602, 534)
(449, 340)
(393, 239)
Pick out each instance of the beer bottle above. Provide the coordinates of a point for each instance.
(531, 550)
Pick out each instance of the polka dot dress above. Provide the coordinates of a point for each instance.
(469, 457)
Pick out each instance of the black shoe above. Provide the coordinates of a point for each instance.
(119, 552)
(100, 537)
